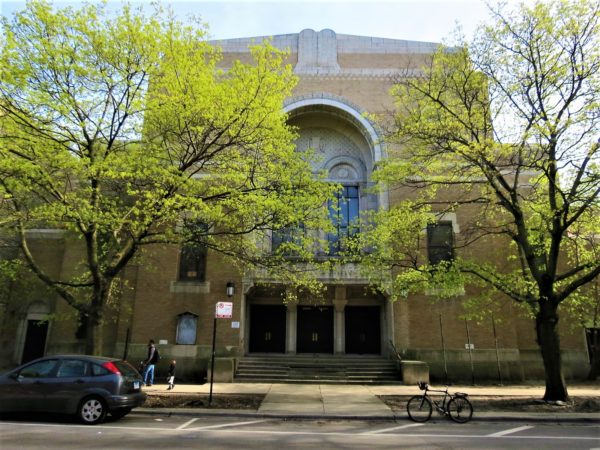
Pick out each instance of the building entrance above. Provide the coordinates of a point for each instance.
(267, 328)
(35, 340)
(315, 329)
(363, 329)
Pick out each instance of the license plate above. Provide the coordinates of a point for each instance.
(136, 384)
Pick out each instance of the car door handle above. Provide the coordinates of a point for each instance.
(80, 381)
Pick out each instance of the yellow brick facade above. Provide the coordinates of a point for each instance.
(341, 77)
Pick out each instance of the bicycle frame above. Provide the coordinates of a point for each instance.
(440, 405)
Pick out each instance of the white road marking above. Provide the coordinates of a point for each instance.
(304, 433)
(400, 427)
(87, 427)
(510, 431)
(224, 425)
(189, 422)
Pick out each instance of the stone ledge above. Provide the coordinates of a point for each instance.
(414, 371)
(223, 371)
(190, 287)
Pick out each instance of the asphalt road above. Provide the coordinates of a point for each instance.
(140, 431)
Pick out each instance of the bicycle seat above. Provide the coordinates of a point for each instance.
(464, 394)
(422, 385)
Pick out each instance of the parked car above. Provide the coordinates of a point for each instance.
(86, 386)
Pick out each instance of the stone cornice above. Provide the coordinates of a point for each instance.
(356, 74)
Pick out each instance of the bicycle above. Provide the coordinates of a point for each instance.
(456, 406)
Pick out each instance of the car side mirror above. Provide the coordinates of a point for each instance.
(15, 376)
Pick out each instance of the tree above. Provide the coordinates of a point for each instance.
(118, 127)
(503, 132)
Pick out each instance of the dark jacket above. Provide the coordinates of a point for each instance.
(152, 355)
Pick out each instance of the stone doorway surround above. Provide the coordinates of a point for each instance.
(338, 304)
(38, 311)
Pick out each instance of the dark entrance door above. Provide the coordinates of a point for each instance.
(35, 340)
(267, 328)
(363, 330)
(315, 329)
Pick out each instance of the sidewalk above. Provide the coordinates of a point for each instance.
(357, 402)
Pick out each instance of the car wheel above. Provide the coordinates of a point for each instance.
(92, 410)
(121, 412)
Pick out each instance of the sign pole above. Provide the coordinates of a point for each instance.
(224, 310)
(212, 362)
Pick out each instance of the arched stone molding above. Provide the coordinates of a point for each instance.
(349, 112)
(346, 168)
(352, 114)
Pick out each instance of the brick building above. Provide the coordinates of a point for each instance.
(171, 297)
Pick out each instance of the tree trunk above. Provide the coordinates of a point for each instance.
(549, 342)
(94, 337)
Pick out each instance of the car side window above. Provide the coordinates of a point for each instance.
(98, 370)
(39, 369)
(72, 368)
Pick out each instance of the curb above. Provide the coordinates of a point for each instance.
(481, 417)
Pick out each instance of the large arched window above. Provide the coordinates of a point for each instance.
(344, 214)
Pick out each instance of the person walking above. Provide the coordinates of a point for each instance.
(171, 376)
(151, 360)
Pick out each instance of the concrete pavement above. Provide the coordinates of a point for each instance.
(343, 401)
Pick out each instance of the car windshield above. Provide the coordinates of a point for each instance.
(126, 369)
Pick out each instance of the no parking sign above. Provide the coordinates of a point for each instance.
(224, 310)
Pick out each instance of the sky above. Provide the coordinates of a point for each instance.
(417, 20)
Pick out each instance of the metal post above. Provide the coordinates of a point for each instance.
(212, 362)
(497, 353)
(126, 350)
(444, 350)
(470, 353)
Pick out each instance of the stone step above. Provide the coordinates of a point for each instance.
(312, 364)
(318, 381)
(370, 369)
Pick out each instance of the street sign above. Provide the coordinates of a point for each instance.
(224, 310)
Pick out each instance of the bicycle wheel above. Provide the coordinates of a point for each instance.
(419, 408)
(460, 409)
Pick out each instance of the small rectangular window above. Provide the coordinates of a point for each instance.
(440, 242)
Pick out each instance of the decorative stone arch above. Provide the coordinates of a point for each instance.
(355, 116)
(350, 112)
(356, 169)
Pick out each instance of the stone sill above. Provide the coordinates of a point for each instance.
(190, 287)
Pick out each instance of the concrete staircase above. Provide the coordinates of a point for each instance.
(317, 369)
